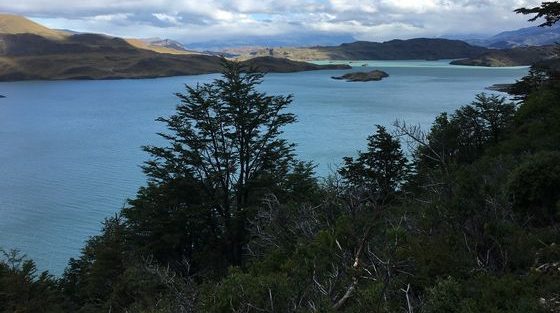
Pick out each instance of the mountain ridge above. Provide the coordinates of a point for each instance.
(30, 51)
(397, 49)
(528, 36)
(512, 57)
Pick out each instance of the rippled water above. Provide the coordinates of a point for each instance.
(70, 150)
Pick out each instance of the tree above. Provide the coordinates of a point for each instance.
(544, 73)
(493, 114)
(464, 135)
(224, 153)
(381, 169)
(23, 289)
(549, 10)
(535, 188)
(90, 279)
(538, 76)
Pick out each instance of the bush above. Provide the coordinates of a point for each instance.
(535, 187)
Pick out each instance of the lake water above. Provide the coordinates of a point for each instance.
(70, 150)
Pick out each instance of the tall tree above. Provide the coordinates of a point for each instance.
(224, 149)
(381, 169)
(464, 135)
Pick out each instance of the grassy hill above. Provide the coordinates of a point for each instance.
(14, 24)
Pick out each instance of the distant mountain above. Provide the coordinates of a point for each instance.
(290, 40)
(412, 49)
(160, 45)
(531, 36)
(420, 48)
(512, 57)
(90, 56)
(31, 51)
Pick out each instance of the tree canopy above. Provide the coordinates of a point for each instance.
(549, 10)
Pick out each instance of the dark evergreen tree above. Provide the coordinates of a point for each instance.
(381, 169)
(224, 153)
(538, 76)
(23, 289)
(89, 281)
(464, 135)
(549, 10)
(535, 188)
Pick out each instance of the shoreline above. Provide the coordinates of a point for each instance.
(403, 63)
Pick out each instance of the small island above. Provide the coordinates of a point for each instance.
(375, 75)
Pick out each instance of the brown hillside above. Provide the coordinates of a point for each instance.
(14, 24)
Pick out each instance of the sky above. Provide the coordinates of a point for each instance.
(190, 21)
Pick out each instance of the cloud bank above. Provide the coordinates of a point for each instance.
(194, 20)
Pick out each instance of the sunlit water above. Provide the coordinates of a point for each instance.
(70, 150)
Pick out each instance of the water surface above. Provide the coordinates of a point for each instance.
(70, 150)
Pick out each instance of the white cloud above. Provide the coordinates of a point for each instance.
(195, 20)
(167, 18)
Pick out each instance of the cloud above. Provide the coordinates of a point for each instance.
(195, 20)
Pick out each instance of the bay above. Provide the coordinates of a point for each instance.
(70, 151)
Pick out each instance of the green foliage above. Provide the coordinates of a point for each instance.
(549, 10)
(170, 222)
(23, 290)
(535, 187)
(382, 169)
(465, 135)
(538, 76)
(536, 126)
(224, 154)
(241, 292)
(483, 293)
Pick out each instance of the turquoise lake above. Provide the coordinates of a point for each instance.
(70, 151)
